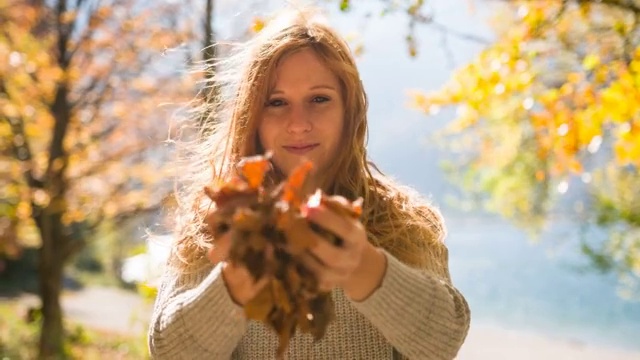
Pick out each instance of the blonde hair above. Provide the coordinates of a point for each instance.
(396, 218)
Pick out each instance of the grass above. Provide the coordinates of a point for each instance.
(18, 338)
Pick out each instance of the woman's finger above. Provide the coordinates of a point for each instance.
(329, 220)
(328, 254)
(312, 263)
(240, 283)
(327, 278)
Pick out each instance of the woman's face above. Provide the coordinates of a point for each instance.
(304, 114)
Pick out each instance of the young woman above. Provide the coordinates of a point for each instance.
(295, 90)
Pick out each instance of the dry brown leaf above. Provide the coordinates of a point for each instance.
(297, 232)
(268, 236)
(259, 308)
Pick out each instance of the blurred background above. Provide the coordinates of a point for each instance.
(519, 119)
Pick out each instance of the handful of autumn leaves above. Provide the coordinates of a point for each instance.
(268, 235)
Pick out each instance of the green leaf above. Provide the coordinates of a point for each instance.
(345, 5)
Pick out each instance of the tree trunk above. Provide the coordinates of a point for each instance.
(209, 41)
(51, 259)
(52, 330)
(56, 244)
(209, 56)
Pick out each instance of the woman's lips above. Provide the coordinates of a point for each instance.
(300, 149)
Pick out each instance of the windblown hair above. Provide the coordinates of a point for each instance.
(396, 218)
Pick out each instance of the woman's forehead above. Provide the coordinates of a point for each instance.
(303, 67)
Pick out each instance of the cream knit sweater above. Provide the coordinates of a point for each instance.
(414, 312)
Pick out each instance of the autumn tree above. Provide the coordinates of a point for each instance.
(81, 125)
(548, 121)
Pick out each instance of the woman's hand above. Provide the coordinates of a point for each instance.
(237, 278)
(356, 265)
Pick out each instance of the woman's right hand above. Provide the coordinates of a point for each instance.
(237, 278)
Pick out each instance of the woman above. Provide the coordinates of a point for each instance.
(299, 95)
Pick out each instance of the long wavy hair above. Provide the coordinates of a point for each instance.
(396, 217)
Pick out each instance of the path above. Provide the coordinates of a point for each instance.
(108, 308)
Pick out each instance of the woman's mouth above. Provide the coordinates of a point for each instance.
(300, 149)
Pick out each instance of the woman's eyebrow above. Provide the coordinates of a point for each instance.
(327, 87)
(315, 87)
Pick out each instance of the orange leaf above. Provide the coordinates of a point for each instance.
(293, 189)
(253, 169)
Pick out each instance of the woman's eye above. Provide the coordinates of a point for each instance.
(275, 102)
(320, 99)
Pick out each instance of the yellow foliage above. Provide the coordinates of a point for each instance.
(575, 77)
(418, 100)
(549, 97)
(575, 166)
(257, 24)
(9, 110)
(119, 59)
(585, 9)
(590, 62)
(601, 74)
(5, 130)
(73, 216)
(627, 148)
(537, 105)
(68, 17)
(23, 210)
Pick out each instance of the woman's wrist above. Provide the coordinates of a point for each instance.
(368, 276)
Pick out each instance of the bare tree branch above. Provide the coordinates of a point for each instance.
(122, 217)
(458, 34)
(21, 146)
(88, 32)
(96, 89)
(95, 137)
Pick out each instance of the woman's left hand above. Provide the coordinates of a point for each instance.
(355, 265)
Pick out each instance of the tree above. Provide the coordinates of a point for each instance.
(554, 104)
(418, 14)
(80, 127)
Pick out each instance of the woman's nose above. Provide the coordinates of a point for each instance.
(299, 121)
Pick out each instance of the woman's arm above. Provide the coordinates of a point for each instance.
(194, 317)
(418, 311)
(421, 315)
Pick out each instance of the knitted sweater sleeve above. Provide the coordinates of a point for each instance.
(194, 317)
(420, 314)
